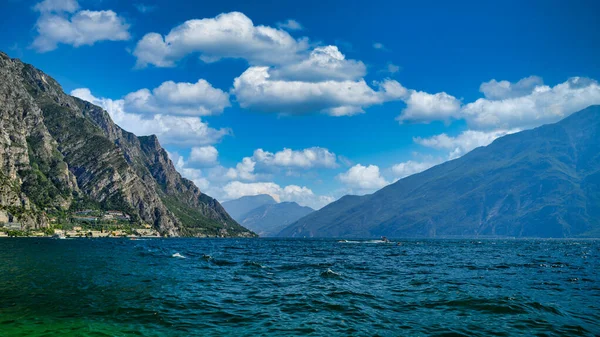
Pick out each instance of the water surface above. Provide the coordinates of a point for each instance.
(264, 287)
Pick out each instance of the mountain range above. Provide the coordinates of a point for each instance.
(263, 215)
(59, 154)
(543, 182)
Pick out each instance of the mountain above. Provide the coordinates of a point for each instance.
(59, 154)
(263, 215)
(543, 182)
(269, 220)
(239, 207)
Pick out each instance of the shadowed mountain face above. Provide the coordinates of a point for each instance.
(543, 182)
(239, 207)
(263, 215)
(59, 153)
(269, 220)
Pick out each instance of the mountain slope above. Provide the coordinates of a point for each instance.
(269, 220)
(59, 153)
(239, 207)
(543, 182)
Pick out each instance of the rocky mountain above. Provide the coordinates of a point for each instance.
(543, 182)
(60, 153)
(263, 215)
(237, 208)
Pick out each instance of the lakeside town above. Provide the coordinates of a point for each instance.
(88, 223)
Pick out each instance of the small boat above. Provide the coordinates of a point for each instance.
(59, 236)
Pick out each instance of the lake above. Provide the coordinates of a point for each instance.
(275, 287)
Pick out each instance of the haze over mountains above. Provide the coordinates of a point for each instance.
(543, 182)
(263, 215)
(59, 153)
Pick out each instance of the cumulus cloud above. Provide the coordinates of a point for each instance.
(243, 170)
(464, 142)
(525, 104)
(314, 157)
(60, 21)
(169, 129)
(228, 35)
(290, 25)
(306, 158)
(193, 174)
(411, 167)
(495, 90)
(323, 64)
(255, 89)
(543, 105)
(426, 107)
(204, 155)
(193, 99)
(302, 195)
(363, 177)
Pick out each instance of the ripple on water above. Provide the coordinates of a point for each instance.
(298, 287)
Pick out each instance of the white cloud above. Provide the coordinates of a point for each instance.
(464, 142)
(543, 105)
(425, 107)
(204, 155)
(216, 183)
(302, 195)
(522, 105)
(363, 177)
(193, 99)
(60, 22)
(495, 90)
(193, 174)
(323, 64)
(169, 129)
(411, 167)
(255, 89)
(243, 170)
(228, 35)
(290, 25)
(306, 158)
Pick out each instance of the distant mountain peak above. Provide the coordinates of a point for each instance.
(263, 215)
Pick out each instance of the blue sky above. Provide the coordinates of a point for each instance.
(308, 101)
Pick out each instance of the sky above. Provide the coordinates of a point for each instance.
(309, 101)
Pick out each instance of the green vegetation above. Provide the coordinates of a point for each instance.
(194, 223)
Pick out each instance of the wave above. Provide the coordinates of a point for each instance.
(330, 274)
(179, 256)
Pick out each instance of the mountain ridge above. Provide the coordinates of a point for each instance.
(549, 175)
(59, 152)
(263, 215)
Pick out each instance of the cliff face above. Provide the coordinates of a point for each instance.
(58, 152)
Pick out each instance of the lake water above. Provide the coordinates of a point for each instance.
(268, 287)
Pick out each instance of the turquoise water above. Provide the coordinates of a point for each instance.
(264, 287)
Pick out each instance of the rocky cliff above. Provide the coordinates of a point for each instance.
(59, 153)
